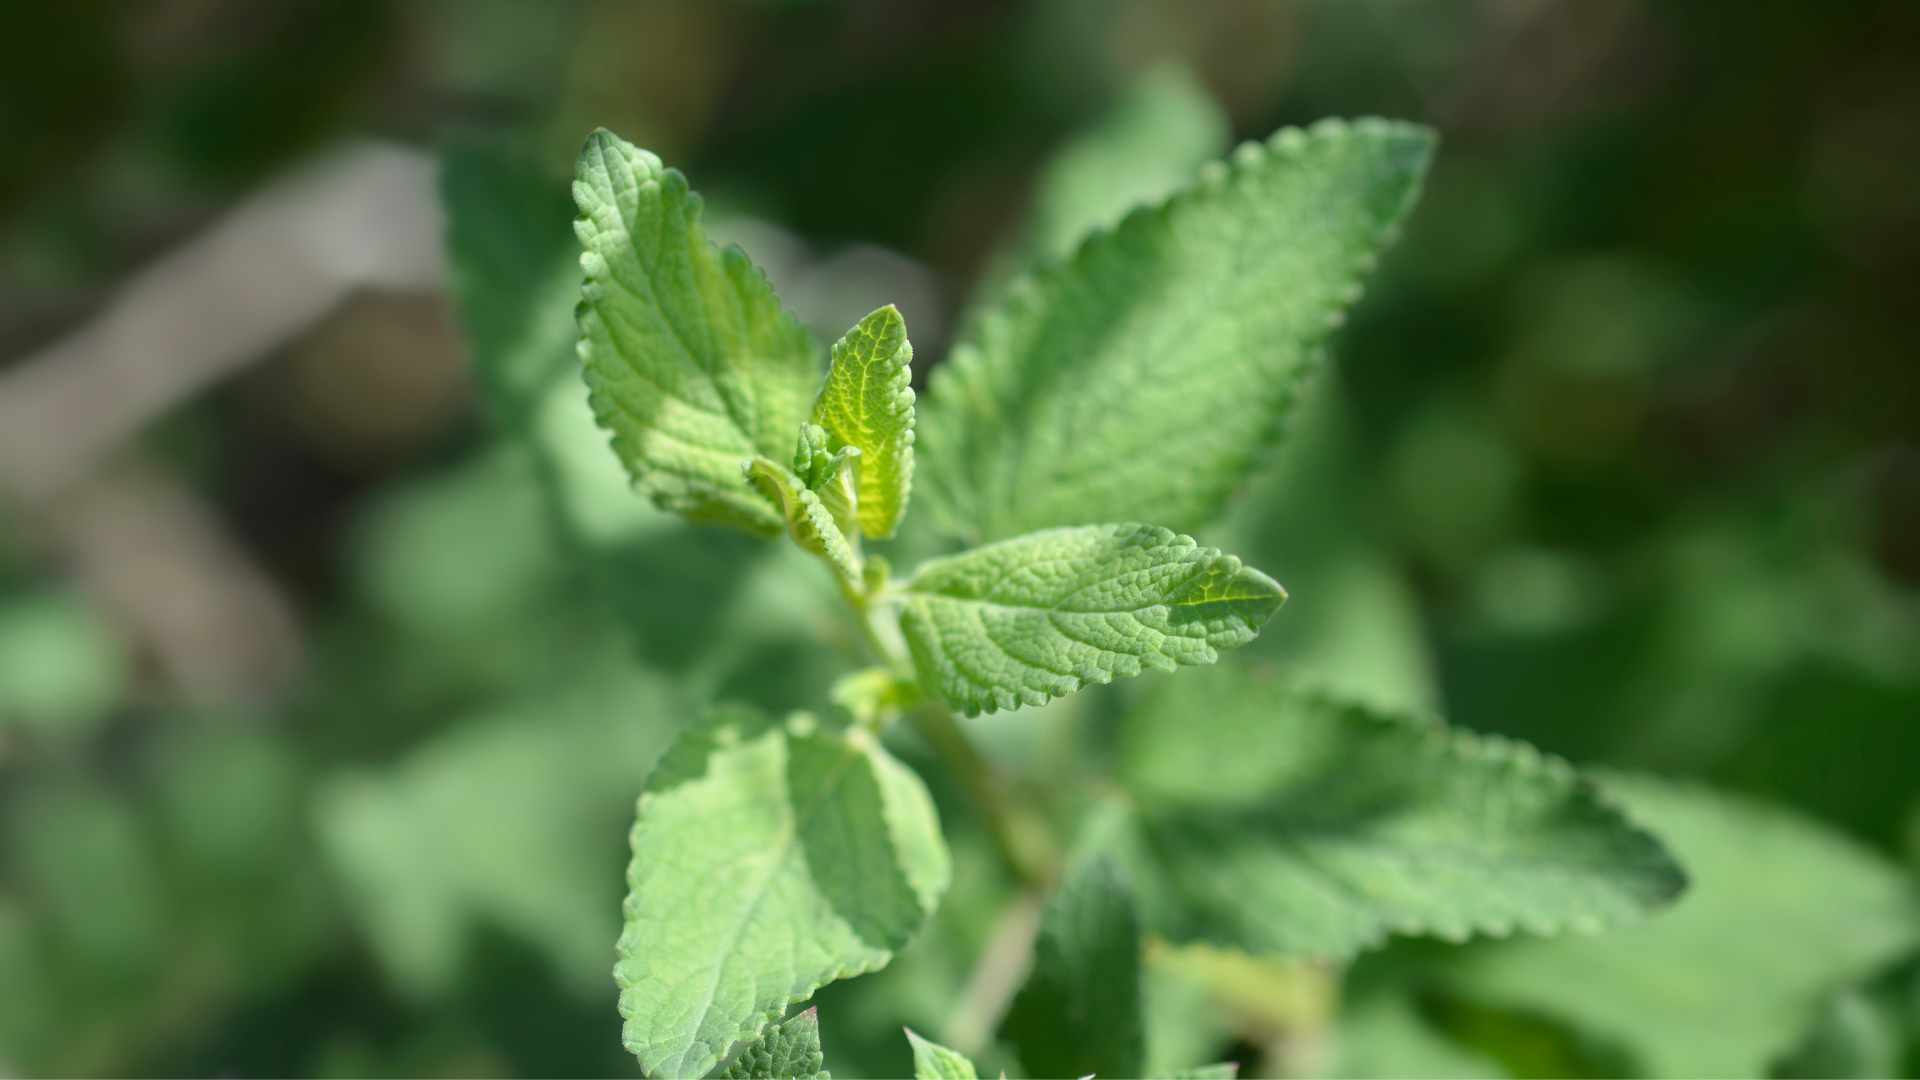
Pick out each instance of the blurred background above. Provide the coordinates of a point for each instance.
(332, 654)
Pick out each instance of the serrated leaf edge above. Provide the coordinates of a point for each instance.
(1025, 294)
(804, 991)
(1006, 699)
(1462, 745)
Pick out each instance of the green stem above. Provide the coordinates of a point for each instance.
(1020, 837)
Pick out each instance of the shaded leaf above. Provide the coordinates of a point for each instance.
(768, 860)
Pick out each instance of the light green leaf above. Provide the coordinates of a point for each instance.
(931, 1061)
(1030, 619)
(1287, 823)
(1080, 1010)
(1143, 377)
(828, 472)
(1154, 140)
(692, 363)
(810, 521)
(1783, 914)
(867, 404)
(768, 860)
(788, 1051)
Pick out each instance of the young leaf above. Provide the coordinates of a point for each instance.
(867, 404)
(693, 365)
(787, 1050)
(768, 860)
(1141, 378)
(1080, 1010)
(828, 473)
(1783, 914)
(1286, 823)
(931, 1061)
(809, 520)
(1026, 620)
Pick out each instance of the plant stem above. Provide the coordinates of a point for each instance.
(1020, 838)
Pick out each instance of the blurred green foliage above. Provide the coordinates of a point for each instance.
(1618, 457)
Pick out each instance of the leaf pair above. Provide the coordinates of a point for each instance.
(696, 370)
(1136, 381)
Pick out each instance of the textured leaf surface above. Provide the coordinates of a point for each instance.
(1141, 378)
(931, 1061)
(692, 363)
(788, 1050)
(1783, 913)
(867, 403)
(810, 520)
(1286, 823)
(1080, 1009)
(1026, 620)
(1219, 1070)
(768, 860)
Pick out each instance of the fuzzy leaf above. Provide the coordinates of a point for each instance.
(1030, 619)
(692, 363)
(931, 1061)
(1783, 914)
(1080, 1010)
(768, 860)
(1141, 378)
(1286, 823)
(1219, 1070)
(788, 1051)
(867, 404)
(810, 520)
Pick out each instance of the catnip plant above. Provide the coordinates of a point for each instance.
(1099, 408)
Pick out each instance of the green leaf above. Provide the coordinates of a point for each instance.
(1287, 823)
(931, 1061)
(1030, 619)
(867, 404)
(810, 521)
(1163, 128)
(1783, 913)
(788, 1050)
(1080, 1010)
(693, 365)
(1142, 378)
(768, 860)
